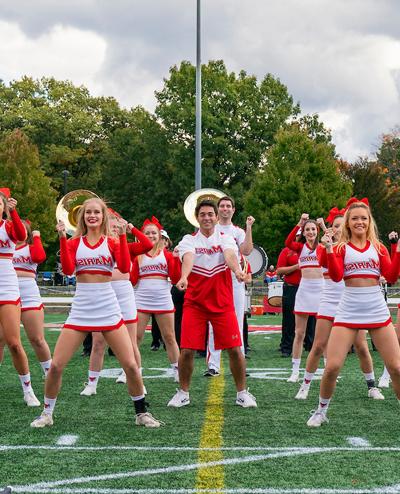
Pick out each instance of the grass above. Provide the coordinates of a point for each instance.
(107, 419)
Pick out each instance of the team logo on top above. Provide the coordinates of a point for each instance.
(154, 267)
(95, 261)
(213, 250)
(369, 264)
(22, 260)
(308, 258)
(5, 243)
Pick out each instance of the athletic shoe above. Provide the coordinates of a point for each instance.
(317, 419)
(89, 390)
(375, 394)
(31, 400)
(7, 490)
(147, 420)
(121, 378)
(180, 399)
(211, 373)
(384, 382)
(246, 400)
(46, 419)
(302, 394)
(294, 377)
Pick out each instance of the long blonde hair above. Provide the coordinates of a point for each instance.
(6, 211)
(159, 246)
(372, 232)
(81, 228)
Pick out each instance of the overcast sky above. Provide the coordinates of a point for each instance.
(340, 58)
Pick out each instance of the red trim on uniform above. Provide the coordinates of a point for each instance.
(328, 318)
(398, 306)
(6, 256)
(313, 266)
(99, 242)
(360, 250)
(370, 276)
(144, 311)
(130, 321)
(11, 302)
(305, 313)
(152, 275)
(94, 271)
(25, 270)
(24, 309)
(94, 328)
(363, 326)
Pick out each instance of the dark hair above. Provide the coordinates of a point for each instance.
(5, 209)
(29, 238)
(206, 202)
(303, 238)
(226, 198)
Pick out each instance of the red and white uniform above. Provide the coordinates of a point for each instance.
(151, 276)
(362, 307)
(309, 293)
(25, 260)
(95, 306)
(209, 296)
(331, 293)
(10, 233)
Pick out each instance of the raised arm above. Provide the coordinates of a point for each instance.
(36, 249)
(17, 231)
(66, 256)
(247, 245)
(143, 244)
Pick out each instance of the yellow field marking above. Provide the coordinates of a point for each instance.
(211, 436)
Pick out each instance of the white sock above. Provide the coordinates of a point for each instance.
(239, 393)
(296, 364)
(174, 366)
(137, 398)
(93, 378)
(308, 377)
(385, 374)
(186, 393)
(369, 376)
(45, 365)
(49, 404)
(26, 383)
(325, 360)
(323, 404)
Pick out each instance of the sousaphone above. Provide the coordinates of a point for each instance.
(195, 198)
(69, 206)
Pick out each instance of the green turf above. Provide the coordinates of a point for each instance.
(279, 422)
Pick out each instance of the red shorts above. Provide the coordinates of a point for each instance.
(195, 326)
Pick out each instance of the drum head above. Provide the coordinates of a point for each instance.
(258, 260)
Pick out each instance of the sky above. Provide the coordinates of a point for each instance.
(338, 58)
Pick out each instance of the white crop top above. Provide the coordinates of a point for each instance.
(95, 259)
(153, 266)
(361, 263)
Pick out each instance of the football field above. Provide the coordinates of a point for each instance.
(210, 446)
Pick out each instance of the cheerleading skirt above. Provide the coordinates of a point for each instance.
(9, 290)
(362, 307)
(94, 308)
(308, 296)
(30, 295)
(153, 296)
(330, 298)
(126, 298)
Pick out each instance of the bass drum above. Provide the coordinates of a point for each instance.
(258, 260)
(275, 292)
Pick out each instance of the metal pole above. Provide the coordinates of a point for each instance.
(198, 102)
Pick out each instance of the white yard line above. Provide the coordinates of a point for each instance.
(359, 442)
(67, 440)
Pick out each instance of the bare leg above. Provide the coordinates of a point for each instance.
(132, 330)
(385, 340)
(143, 319)
(361, 347)
(301, 325)
(33, 321)
(166, 325)
(322, 333)
(97, 353)
(10, 316)
(238, 367)
(186, 366)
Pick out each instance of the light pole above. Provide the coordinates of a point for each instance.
(65, 174)
(198, 101)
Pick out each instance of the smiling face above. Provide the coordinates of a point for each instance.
(359, 221)
(152, 233)
(225, 210)
(93, 214)
(113, 222)
(207, 219)
(310, 232)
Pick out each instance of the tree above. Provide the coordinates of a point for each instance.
(388, 155)
(301, 175)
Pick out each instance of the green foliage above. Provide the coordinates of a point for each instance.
(388, 155)
(301, 175)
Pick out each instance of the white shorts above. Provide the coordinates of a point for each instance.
(126, 298)
(362, 307)
(30, 295)
(308, 296)
(9, 290)
(94, 308)
(153, 296)
(330, 298)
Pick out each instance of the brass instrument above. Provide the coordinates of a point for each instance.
(195, 198)
(69, 206)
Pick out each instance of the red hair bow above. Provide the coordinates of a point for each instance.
(352, 200)
(6, 192)
(153, 221)
(333, 213)
(28, 222)
(111, 212)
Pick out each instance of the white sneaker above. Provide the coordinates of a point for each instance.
(46, 419)
(121, 378)
(31, 400)
(147, 420)
(375, 394)
(302, 394)
(180, 399)
(246, 400)
(384, 382)
(294, 377)
(89, 390)
(317, 419)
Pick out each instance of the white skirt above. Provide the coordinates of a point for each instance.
(330, 298)
(94, 308)
(153, 296)
(30, 295)
(362, 307)
(308, 296)
(126, 298)
(9, 291)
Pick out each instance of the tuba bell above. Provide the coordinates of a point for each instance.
(195, 198)
(69, 206)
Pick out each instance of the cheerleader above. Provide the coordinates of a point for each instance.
(26, 258)
(12, 230)
(360, 259)
(92, 253)
(126, 298)
(310, 288)
(150, 275)
(330, 298)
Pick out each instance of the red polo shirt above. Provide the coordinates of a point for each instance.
(287, 258)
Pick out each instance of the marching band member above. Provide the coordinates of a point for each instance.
(149, 276)
(310, 288)
(360, 259)
(12, 230)
(92, 253)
